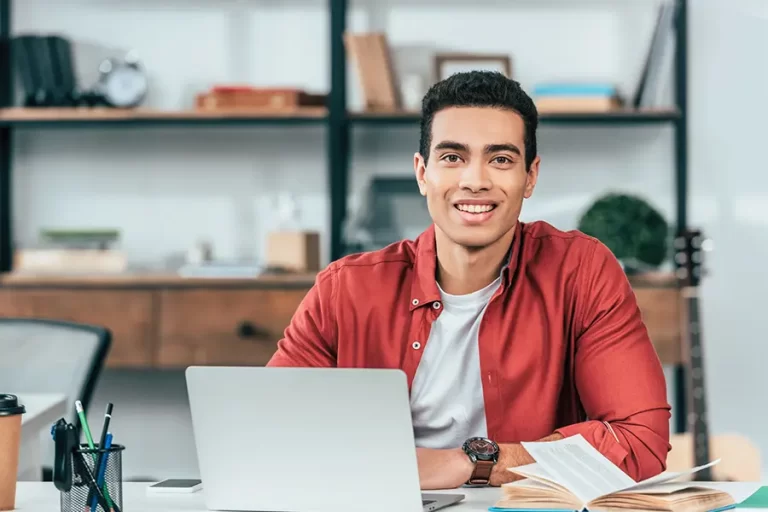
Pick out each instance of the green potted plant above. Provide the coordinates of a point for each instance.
(636, 233)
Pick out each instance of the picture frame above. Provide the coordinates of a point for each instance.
(446, 64)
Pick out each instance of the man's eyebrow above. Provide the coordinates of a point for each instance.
(495, 148)
(450, 144)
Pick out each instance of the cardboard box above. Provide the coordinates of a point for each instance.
(295, 251)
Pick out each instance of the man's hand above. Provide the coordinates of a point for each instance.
(443, 469)
(449, 469)
(513, 455)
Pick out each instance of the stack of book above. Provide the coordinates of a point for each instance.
(576, 97)
(63, 251)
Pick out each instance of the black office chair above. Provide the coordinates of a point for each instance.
(53, 356)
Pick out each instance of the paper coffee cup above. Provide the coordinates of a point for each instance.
(10, 440)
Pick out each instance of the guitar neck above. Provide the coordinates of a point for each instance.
(697, 419)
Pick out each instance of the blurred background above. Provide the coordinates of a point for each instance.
(176, 172)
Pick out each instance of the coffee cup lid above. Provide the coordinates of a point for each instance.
(9, 405)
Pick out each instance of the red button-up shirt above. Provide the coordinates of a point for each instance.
(563, 347)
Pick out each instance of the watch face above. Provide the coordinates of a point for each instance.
(482, 446)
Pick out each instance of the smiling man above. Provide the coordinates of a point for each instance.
(507, 331)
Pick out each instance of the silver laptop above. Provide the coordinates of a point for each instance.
(296, 439)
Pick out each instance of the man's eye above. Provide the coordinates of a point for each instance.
(451, 158)
(502, 160)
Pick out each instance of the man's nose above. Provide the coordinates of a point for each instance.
(475, 178)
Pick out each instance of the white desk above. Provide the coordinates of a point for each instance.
(43, 497)
(42, 411)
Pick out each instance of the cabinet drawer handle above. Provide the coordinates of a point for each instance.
(247, 330)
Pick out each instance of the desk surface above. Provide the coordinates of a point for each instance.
(43, 497)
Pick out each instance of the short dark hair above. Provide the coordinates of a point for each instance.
(479, 89)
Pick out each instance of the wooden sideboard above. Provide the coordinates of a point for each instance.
(167, 321)
(172, 322)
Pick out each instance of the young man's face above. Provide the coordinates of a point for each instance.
(475, 180)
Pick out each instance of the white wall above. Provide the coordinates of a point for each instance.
(729, 187)
(165, 188)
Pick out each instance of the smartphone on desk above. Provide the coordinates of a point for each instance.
(175, 485)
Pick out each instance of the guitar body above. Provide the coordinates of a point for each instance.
(740, 457)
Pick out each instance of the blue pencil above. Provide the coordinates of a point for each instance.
(102, 469)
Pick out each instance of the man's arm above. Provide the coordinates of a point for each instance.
(618, 375)
(310, 340)
(451, 468)
(619, 378)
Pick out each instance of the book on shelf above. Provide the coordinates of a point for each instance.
(69, 261)
(576, 97)
(656, 74)
(571, 475)
(372, 57)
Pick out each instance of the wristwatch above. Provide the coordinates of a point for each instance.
(484, 454)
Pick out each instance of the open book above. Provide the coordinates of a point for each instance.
(570, 474)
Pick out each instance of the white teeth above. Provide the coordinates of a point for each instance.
(475, 208)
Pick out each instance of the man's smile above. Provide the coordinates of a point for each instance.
(475, 211)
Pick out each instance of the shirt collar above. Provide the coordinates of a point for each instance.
(424, 288)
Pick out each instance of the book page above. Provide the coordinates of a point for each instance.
(579, 467)
(533, 471)
(651, 484)
(662, 488)
(536, 473)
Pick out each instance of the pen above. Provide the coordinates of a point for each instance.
(87, 431)
(105, 428)
(102, 500)
(101, 472)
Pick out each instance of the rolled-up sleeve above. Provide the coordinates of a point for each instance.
(618, 374)
(310, 340)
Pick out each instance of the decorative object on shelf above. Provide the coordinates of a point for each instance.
(412, 90)
(122, 82)
(659, 62)
(81, 238)
(290, 248)
(576, 97)
(245, 97)
(636, 233)
(45, 64)
(199, 253)
(390, 210)
(74, 251)
(200, 262)
(293, 251)
(288, 211)
(447, 64)
(371, 56)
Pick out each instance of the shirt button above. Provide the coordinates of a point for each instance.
(416, 345)
(415, 302)
(436, 305)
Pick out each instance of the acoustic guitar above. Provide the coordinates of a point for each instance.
(740, 458)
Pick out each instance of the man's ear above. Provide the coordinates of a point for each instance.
(420, 168)
(531, 177)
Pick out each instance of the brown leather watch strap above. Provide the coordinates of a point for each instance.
(482, 473)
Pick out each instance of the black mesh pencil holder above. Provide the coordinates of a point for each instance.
(83, 496)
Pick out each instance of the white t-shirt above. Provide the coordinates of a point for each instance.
(447, 393)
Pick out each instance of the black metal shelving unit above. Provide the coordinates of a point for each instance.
(339, 123)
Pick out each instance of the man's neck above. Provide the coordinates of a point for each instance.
(462, 270)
